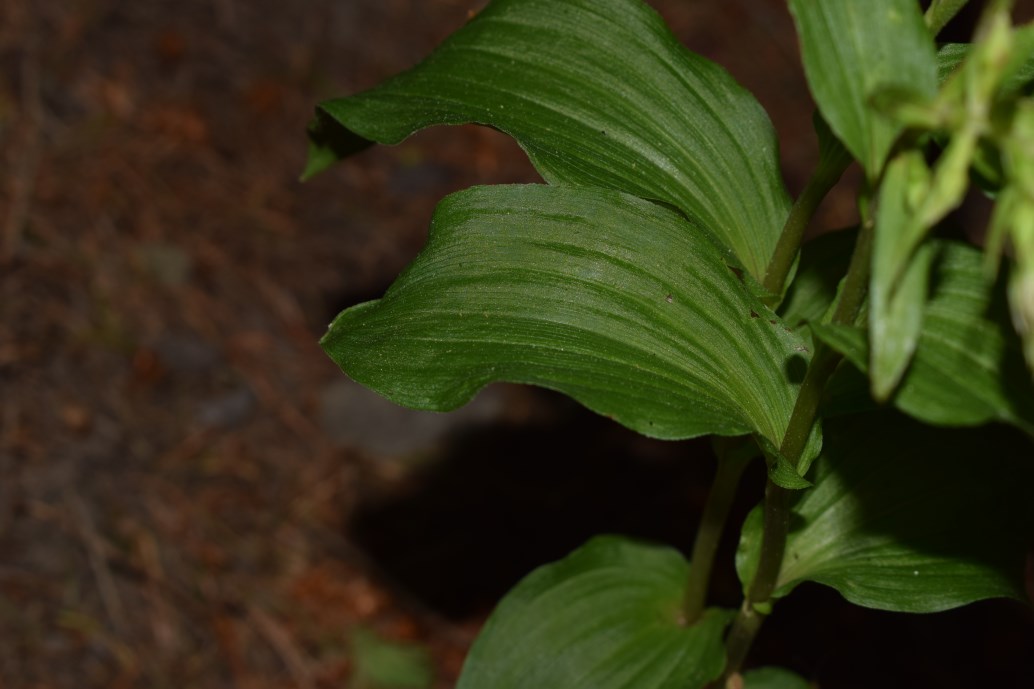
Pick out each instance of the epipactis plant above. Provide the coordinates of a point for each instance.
(658, 277)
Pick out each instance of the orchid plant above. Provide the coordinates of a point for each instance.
(882, 373)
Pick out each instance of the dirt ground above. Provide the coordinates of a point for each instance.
(191, 494)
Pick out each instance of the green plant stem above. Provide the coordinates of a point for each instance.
(825, 360)
(824, 177)
(752, 613)
(731, 462)
(777, 500)
(856, 283)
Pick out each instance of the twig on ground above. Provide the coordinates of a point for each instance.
(95, 551)
(280, 640)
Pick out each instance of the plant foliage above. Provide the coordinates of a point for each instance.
(658, 278)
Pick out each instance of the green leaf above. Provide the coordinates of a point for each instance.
(598, 93)
(608, 298)
(968, 367)
(940, 12)
(748, 551)
(899, 280)
(773, 678)
(782, 471)
(949, 58)
(784, 475)
(381, 664)
(853, 48)
(910, 518)
(605, 617)
(1018, 73)
(895, 322)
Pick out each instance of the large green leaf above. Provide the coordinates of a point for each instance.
(605, 617)
(853, 49)
(968, 366)
(611, 299)
(910, 518)
(598, 93)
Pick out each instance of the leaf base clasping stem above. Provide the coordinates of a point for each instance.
(758, 601)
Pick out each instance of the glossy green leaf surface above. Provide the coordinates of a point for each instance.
(968, 367)
(773, 678)
(605, 617)
(598, 93)
(853, 48)
(616, 301)
(910, 518)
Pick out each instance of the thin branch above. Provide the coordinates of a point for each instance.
(96, 552)
(733, 456)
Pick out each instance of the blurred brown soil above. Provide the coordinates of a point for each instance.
(172, 507)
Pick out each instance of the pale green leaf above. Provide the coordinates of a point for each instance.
(968, 367)
(899, 280)
(911, 518)
(853, 48)
(608, 616)
(608, 298)
(598, 93)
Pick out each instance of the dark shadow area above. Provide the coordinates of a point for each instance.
(837, 645)
(964, 494)
(909, 482)
(505, 499)
(796, 369)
